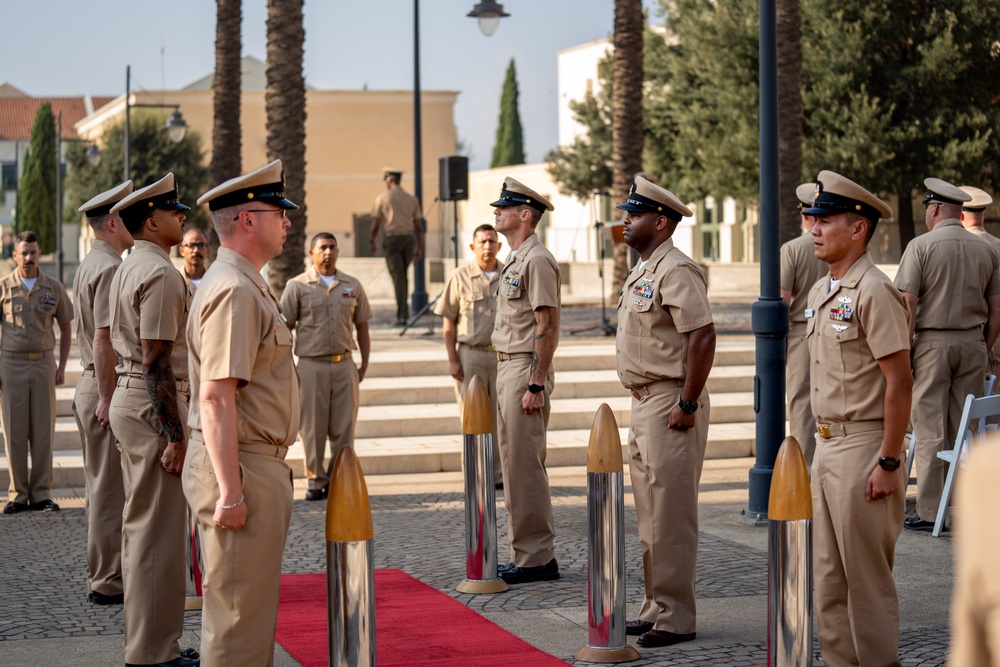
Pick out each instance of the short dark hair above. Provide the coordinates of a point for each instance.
(483, 228)
(536, 215)
(134, 217)
(396, 178)
(99, 222)
(853, 217)
(27, 236)
(322, 236)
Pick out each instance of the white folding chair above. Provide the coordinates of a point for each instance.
(975, 409)
(991, 381)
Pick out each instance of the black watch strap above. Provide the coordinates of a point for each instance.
(536, 388)
(689, 407)
(888, 463)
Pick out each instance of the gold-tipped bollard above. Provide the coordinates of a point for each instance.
(606, 641)
(350, 565)
(480, 494)
(789, 575)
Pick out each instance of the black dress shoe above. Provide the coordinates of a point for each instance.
(661, 638)
(316, 494)
(637, 627)
(101, 598)
(46, 505)
(190, 654)
(916, 523)
(15, 508)
(522, 575)
(179, 661)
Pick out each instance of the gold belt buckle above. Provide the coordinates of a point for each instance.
(336, 357)
(824, 431)
(500, 356)
(34, 356)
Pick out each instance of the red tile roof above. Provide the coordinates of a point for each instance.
(17, 114)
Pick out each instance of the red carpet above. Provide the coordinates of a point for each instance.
(415, 625)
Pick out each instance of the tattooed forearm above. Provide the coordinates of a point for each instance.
(161, 387)
(546, 339)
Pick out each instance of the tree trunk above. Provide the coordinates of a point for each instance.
(789, 37)
(227, 134)
(904, 218)
(626, 112)
(285, 101)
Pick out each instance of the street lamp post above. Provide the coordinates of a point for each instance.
(175, 125)
(489, 15)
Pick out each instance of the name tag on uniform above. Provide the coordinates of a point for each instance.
(643, 290)
(810, 313)
(842, 313)
(282, 320)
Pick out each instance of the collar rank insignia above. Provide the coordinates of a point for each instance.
(842, 313)
(643, 289)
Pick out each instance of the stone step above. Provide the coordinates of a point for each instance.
(440, 453)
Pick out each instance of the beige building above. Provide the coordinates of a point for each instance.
(350, 136)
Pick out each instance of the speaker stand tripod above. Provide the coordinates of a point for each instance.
(605, 326)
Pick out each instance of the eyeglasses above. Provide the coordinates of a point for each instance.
(199, 246)
(279, 211)
(928, 202)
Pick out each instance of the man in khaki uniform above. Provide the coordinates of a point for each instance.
(666, 347)
(31, 301)
(799, 271)
(194, 248)
(950, 282)
(244, 416)
(525, 336)
(859, 341)
(975, 610)
(102, 463)
(400, 212)
(468, 308)
(324, 307)
(973, 218)
(149, 307)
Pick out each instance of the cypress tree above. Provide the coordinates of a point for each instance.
(508, 148)
(36, 208)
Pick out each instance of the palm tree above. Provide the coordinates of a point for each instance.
(285, 101)
(789, 46)
(626, 112)
(227, 140)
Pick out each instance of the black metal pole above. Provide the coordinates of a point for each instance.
(769, 315)
(454, 205)
(58, 211)
(128, 95)
(419, 298)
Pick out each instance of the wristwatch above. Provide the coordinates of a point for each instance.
(888, 463)
(689, 407)
(536, 388)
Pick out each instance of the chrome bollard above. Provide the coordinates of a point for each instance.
(192, 548)
(789, 569)
(350, 566)
(480, 495)
(606, 641)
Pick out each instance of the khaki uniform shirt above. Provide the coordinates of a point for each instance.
(399, 210)
(189, 281)
(150, 302)
(237, 331)
(660, 305)
(529, 281)
(92, 297)
(850, 329)
(799, 272)
(28, 316)
(469, 300)
(952, 272)
(324, 317)
(983, 234)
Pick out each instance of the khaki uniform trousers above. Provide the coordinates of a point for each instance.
(947, 366)
(328, 393)
(526, 495)
(28, 409)
(242, 568)
(801, 422)
(665, 470)
(153, 528)
(398, 251)
(481, 362)
(854, 546)
(105, 502)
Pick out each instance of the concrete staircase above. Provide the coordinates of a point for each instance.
(409, 421)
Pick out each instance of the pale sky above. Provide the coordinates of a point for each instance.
(71, 47)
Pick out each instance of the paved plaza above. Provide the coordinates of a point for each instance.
(46, 620)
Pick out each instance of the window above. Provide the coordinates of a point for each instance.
(8, 176)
